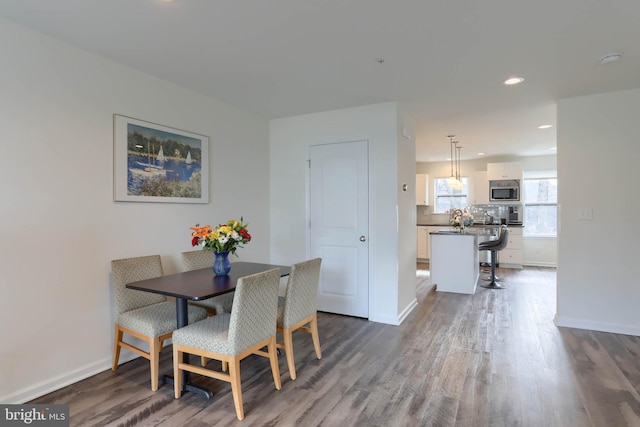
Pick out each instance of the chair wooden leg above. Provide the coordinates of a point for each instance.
(287, 334)
(155, 346)
(236, 387)
(177, 374)
(313, 326)
(273, 359)
(225, 366)
(116, 348)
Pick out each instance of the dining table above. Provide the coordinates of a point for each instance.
(198, 285)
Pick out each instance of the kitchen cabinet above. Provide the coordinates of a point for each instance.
(480, 186)
(423, 242)
(511, 256)
(422, 189)
(506, 170)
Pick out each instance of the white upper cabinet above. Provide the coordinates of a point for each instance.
(507, 170)
(480, 188)
(422, 189)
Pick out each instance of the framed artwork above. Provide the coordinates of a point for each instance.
(155, 163)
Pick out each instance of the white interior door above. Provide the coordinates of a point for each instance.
(339, 225)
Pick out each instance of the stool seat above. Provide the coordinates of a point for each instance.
(494, 246)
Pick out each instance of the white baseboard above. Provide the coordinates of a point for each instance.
(407, 311)
(540, 264)
(34, 391)
(395, 321)
(597, 326)
(52, 384)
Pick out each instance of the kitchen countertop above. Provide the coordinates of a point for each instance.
(455, 233)
(473, 226)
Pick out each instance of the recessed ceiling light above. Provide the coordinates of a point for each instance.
(513, 81)
(544, 126)
(553, 148)
(611, 57)
(480, 154)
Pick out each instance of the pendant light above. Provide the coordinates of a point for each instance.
(452, 180)
(458, 185)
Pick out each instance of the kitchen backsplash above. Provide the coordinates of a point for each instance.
(424, 216)
(498, 212)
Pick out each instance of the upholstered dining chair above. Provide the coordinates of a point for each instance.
(143, 315)
(297, 310)
(249, 327)
(195, 260)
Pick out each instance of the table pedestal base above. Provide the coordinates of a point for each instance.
(189, 387)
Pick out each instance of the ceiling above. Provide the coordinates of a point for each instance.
(445, 60)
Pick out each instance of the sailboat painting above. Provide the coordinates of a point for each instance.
(155, 163)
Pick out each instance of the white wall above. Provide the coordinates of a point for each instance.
(59, 226)
(598, 152)
(290, 139)
(407, 238)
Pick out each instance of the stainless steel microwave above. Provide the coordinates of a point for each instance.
(507, 190)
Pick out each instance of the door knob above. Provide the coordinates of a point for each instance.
(363, 239)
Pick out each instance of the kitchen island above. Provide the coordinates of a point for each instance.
(454, 261)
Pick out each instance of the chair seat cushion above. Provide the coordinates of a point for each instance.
(211, 334)
(157, 319)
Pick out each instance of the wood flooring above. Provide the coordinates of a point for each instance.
(495, 358)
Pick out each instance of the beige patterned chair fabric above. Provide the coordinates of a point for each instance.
(297, 310)
(144, 315)
(232, 337)
(195, 260)
(131, 270)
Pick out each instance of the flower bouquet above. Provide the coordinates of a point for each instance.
(222, 240)
(461, 219)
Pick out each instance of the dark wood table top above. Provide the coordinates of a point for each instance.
(201, 284)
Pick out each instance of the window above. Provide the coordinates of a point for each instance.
(540, 207)
(447, 198)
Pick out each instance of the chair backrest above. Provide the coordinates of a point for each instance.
(129, 270)
(255, 310)
(503, 239)
(195, 260)
(301, 295)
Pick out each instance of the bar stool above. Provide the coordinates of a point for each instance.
(486, 266)
(494, 246)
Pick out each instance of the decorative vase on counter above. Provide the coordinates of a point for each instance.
(221, 264)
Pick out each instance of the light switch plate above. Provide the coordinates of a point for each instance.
(585, 215)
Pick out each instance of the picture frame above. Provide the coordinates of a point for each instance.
(158, 164)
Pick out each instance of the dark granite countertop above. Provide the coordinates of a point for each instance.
(473, 226)
(455, 233)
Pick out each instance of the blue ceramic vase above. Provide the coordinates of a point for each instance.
(221, 265)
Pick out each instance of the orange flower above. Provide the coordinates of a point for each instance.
(202, 232)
